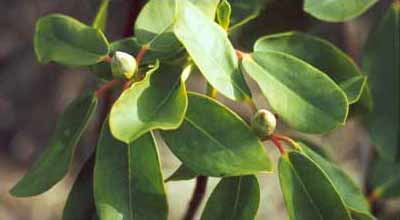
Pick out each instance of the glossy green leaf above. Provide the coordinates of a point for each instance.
(347, 189)
(234, 198)
(244, 11)
(157, 102)
(381, 61)
(67, 41)
(337, 10)
(214, 141)
(55, 161)
(211, 51)
(307, 191)
(100, 21)
(385, 179)
(182, 173)
(224, 14)
(158, 33)
(304, 97)
(128, 183)
(80, 203)
(321, 54)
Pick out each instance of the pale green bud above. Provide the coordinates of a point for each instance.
(123, 65)
(263, 123)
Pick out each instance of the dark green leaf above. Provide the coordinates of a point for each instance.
(322, 55)
(128, 183)
(385, 179)
(244, 11)
(55, 161)
(307, 191)
(381, 61)
(158, 33)
(157, 102)
(182, 173)
(304, 97)
(100, 21)
(337, 10)
(214, 141)
(211, 50)
(67, 41)
(80, 203)
(347, 189)
(234, 198)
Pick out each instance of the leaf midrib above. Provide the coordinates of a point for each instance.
(306, 190)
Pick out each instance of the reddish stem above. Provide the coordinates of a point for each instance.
(373, 197)
(278, 144)
(107, 59)
(141, 53)
(127, 84)
(106, 87)
(286, 139)
(240, 54)
(198, 196)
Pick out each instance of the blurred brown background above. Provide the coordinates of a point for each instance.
(32, 96)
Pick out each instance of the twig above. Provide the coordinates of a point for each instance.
(278, 145)
(106, 87)
(197, 197)
(288, 140)
(141, 53)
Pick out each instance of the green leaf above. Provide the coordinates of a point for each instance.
(100, 21)
(55, 161)
(182, 173)
(211, 51)
(304, 97)
(67, 41)
(321, 54)
(347, 189)
(224, 14)
(385, 179)
(244, 11)
(381, 61)
(80, 203)
(157, 102)
(158, 33)
(128, 183)
(214, 141)
(307, 191)
(337, 10)
(234, 198)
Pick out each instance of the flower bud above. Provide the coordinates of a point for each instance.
(263, 123)
(123, 65)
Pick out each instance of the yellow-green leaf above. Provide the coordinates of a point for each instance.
(157, 102)
(211, 51)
